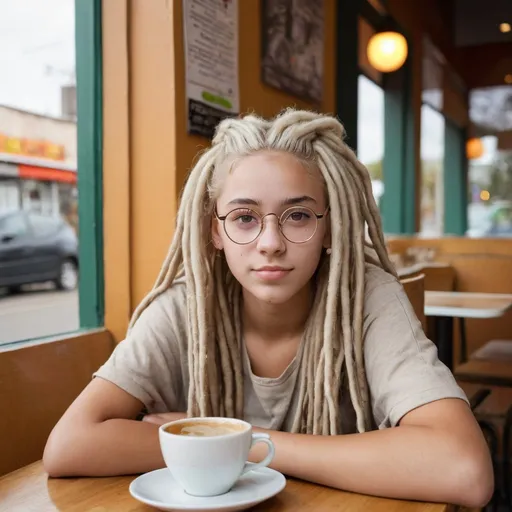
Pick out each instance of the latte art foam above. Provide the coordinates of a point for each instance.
(206, 428)
(202, 430)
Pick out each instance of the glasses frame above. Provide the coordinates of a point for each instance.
(223, 218)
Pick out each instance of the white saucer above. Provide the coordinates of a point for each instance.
(159, 489)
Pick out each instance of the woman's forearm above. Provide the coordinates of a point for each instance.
(409, 462)
(112, 447)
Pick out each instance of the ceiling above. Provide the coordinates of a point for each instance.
(477, 21)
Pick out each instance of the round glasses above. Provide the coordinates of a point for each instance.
(298, 224)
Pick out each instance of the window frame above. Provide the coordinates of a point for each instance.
(443, 163)
(90, 145)
(455, 172)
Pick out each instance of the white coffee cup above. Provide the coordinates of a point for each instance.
(209, 465)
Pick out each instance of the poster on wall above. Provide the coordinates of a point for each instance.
(211, 60)
(293, 47)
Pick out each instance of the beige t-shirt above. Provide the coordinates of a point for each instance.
(402, 367)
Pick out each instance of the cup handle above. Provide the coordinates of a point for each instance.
(260, 438)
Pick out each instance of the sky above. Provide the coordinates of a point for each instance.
(37, 53)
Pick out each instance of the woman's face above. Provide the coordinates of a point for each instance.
(271, 267)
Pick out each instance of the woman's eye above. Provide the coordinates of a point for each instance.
(298, 216)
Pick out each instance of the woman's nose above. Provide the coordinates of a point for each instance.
(271, 239)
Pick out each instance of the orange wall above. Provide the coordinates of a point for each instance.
(116, 166)
(147, 152)
(153, 175)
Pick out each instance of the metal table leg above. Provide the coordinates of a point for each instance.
(444, 339)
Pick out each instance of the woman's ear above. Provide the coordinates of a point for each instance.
(216, 237)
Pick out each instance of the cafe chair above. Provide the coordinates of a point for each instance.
(414, 288)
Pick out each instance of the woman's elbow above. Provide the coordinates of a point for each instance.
(58, 456)
(476, 481)
(52, 464)
(52, 459)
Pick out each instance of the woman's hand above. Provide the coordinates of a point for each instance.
(164, 417)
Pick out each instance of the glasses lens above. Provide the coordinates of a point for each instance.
(242, 225)
(298, 224)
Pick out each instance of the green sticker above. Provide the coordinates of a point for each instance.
(218, 100)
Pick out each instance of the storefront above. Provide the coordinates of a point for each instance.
(29, 184)
(37, 164)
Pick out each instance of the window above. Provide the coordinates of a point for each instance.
(490, 163)
(432, 142)
(9, 195)
(42, 138)
(432, 176)
(370, 132)
(370, 113)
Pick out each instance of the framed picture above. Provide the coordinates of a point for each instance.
(293, 47)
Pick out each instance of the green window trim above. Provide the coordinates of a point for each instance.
(347, 66)
(89, 134)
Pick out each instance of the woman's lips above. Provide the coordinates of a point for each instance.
(272, 273)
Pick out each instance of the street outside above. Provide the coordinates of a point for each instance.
(37, 313)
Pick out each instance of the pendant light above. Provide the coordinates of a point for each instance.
(387, 49)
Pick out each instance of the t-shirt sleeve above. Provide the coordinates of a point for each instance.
(402, 366)
(148, 363)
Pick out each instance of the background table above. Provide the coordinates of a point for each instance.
(466, 304)
(445, 306)
(30, 490)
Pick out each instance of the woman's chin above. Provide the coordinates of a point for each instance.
(276, 295)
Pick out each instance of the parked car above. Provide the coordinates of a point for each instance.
(36, 248)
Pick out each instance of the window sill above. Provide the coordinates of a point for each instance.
(22, 344)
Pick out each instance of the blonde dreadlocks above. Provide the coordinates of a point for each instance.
(333, 338)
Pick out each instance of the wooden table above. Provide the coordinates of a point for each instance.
(445, 306)
(30, 490)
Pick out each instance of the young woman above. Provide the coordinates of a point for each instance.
(273, 306)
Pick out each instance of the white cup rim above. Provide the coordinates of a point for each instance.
(205, 438)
